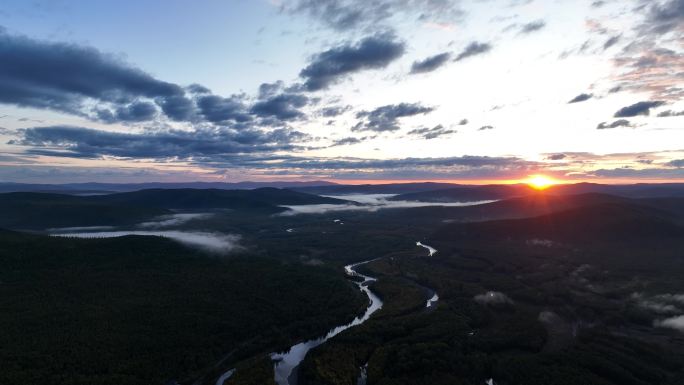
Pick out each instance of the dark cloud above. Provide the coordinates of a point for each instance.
(386, 118)
(178, 108)
(197, 89)
(65, 77)
(484, 128)
(348, 141)
(473, 49)
(357, 15)
(331, 66)
(136, 112)
(556, 156)
(80, 142)
(284, 106)
(615, 124)
(677, 163)
(580, 98)
(267, 90)
(432, 133)
(611, 41)
(532, 26)
(218, 109)
(670, 113)
(333, 111)
(666, 17)
(640, 108)
(463, 122)
(430, 64)
(85, 82)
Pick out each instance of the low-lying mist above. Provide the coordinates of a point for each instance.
(173, 220)
(209, 241)
(369, 202)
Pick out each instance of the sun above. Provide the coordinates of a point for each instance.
(540, 182)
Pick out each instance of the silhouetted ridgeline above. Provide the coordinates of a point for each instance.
(42, 210)
(75, 188)
(624, 222)
(489, 192)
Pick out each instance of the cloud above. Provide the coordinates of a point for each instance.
(432, 133)
(82, 81)
(473, 49)
(267, 90)
(331, 66)
(666, 17)
(677, 163)
(333, 111)
(611, 41)
(344, 15)
(549, 317)
(463, 122)
(676, 323)
(284, 106)
(68, 77)
(493, 298)
(369, 202)
(644, 67)
(174, 220)
(636, 109)
(80, 142)
(134, 112)
(386, 118)
(532, 26)
(218, 109)
(430, 64)
(580, 98)
(615, 124)
(485, 128)
(347, 141)
(670, 113)
(658, 307)
(556, 156)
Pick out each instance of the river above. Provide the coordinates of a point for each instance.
(286, 364)
(431, 250)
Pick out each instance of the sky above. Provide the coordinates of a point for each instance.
(350, 91)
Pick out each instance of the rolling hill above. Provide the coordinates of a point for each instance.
(44, 210)
(266, 198)
(623, 222)
(491, 192)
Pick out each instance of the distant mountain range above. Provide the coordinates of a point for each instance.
(419, 191)
(71, 188)
(465, 193)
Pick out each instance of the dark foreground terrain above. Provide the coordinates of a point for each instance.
(556, 287)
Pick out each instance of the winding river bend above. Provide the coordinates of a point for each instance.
(287, 363)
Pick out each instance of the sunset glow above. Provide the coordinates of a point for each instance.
(540, 182)
(341, 91)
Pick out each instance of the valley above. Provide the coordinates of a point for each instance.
(562, 288)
